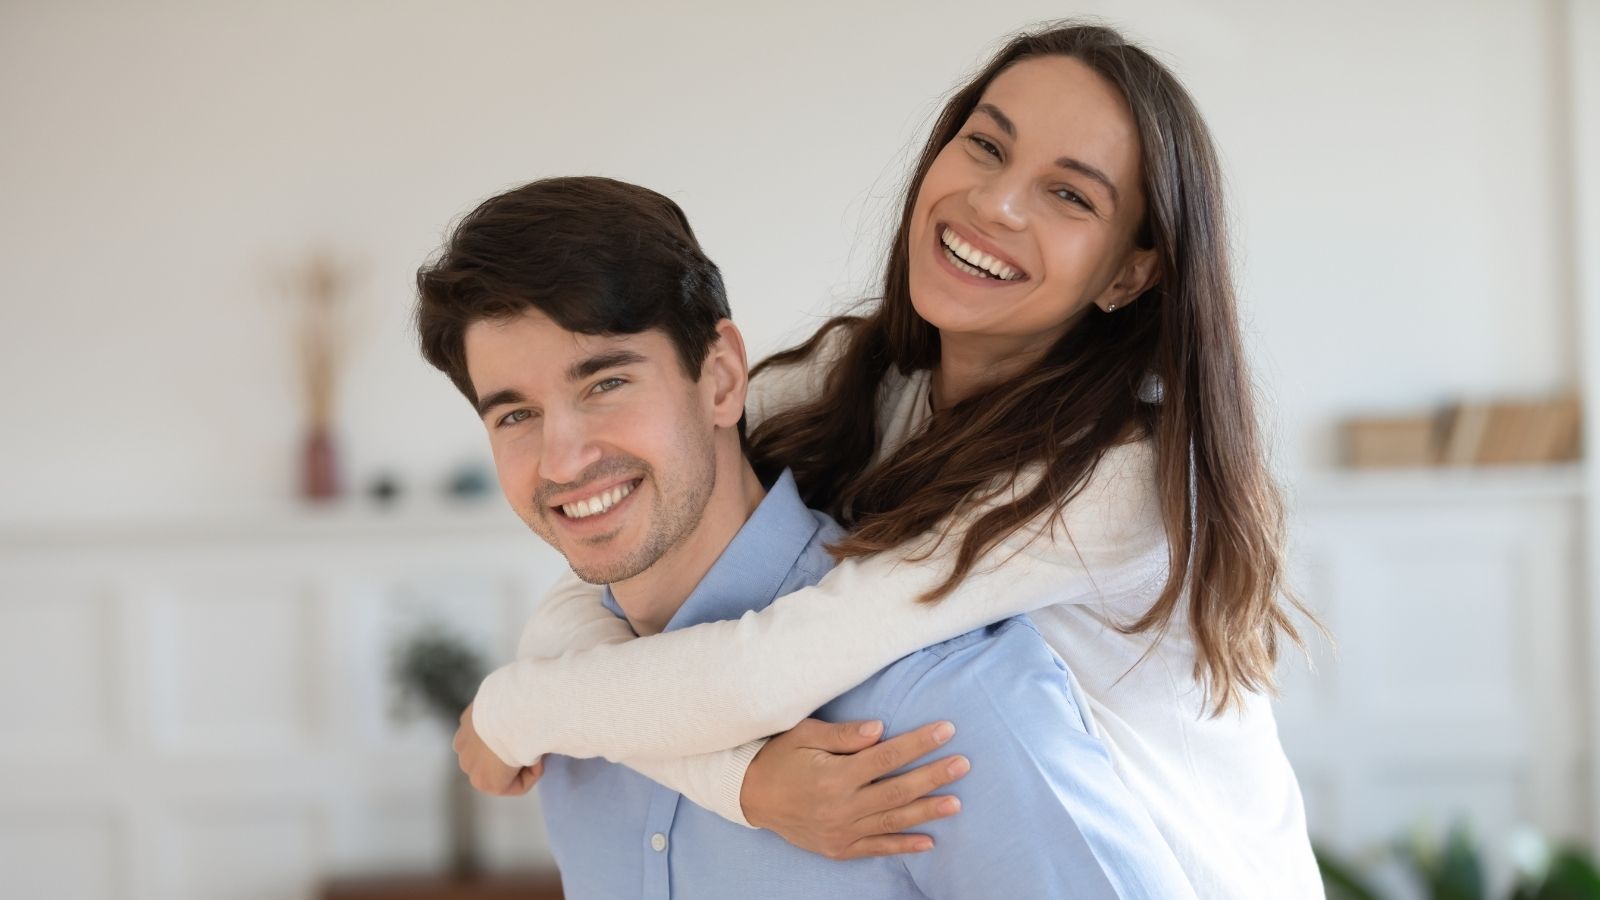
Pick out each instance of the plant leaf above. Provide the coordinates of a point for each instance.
(1572, 877)
(1341, 879)
(1460, 872)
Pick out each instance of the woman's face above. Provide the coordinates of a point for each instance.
(1028, 215)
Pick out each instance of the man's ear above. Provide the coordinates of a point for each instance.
(1140, 272)
(726, 374)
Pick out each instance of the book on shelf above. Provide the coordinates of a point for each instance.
(1469, 433)
(1513, 432)
(1390, 442)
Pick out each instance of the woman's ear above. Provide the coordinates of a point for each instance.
(726, 375)
(1140, 272)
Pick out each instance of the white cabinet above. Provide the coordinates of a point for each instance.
(1457, 687)
(204, 712)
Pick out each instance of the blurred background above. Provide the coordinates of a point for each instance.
(250, 543)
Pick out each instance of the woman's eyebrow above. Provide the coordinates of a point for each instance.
(1088, 171)
(1004, 123)
(1000, 119)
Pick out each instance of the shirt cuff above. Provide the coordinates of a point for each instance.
(733, 782)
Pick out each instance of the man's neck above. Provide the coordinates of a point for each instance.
(651, 598)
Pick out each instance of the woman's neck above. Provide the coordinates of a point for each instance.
(969, 365)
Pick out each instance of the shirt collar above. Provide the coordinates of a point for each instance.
(753, 567)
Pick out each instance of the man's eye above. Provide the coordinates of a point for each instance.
(608, 384)
(515, 416)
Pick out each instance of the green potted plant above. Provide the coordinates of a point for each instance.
(1455, 871)
(438, 673)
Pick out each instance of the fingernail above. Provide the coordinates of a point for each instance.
(958, 767)
(922, 846)
(944, 732)
(871, 729)
(950, 806)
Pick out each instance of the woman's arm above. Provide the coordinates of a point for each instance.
(569, 617)
(720, 684)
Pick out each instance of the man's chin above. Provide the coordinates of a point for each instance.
(591, 578)
(604, 571)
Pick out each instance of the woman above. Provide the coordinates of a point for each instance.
(1047, 413)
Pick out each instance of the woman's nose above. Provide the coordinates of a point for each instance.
(1000, 201)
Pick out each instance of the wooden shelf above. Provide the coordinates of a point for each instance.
(1477, 484)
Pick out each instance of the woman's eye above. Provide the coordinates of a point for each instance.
(515, 416)
(1073, 197)
(984, 145)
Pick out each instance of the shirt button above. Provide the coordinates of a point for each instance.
(658, 842)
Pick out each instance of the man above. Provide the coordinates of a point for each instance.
(592, 336)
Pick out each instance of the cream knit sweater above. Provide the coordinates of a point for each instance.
(690, 708)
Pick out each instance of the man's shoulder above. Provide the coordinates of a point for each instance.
(999, 650)
(998, 671)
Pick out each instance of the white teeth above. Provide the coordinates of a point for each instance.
(968, 257)
(599, 503)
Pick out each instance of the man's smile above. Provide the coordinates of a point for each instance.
(597, 502)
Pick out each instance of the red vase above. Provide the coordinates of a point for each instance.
(319, 473)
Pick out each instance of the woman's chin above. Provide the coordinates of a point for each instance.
(951, 315)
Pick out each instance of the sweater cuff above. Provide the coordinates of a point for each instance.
(732, 784)
(486, 712)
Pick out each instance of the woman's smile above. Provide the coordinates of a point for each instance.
(969, 257)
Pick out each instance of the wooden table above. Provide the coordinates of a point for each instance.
(531, 886)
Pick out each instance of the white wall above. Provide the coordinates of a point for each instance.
(161, 163)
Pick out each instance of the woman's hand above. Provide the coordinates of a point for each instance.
(817, 786)
(484, 769)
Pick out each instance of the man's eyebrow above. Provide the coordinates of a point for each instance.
(583, 368)
(499, 398)
(1066, 162)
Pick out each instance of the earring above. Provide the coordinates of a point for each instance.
(1112, 308)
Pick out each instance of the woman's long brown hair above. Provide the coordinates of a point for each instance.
(1221, 511)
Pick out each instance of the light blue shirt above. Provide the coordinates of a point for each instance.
(1043, 814)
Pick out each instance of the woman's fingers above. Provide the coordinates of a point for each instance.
(889, 845)
(898, 795)
(875, 762)
(838, 737)
(527, 778)
(893, 822)
(823, 787)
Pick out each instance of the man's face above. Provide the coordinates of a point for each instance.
(602, 445)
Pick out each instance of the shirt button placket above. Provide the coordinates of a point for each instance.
(657, 860)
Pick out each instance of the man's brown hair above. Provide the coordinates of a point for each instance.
(596, 255)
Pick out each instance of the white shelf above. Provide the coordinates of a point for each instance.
(343, 520)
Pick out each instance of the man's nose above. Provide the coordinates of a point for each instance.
(569, 448)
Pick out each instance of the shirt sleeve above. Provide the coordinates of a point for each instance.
(1043, 811)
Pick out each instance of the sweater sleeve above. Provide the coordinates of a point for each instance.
(570, 619)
